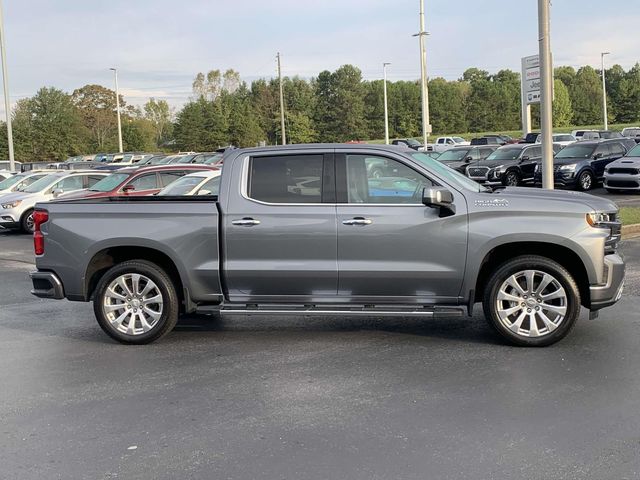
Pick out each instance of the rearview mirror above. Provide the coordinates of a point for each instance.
(525, 158)
(597, 156)
(204, 192)
(128, 188)
(468, 159)
(438, 197)
(57, 192)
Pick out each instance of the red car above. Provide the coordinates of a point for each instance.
(138, 180)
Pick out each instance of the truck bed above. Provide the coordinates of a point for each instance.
(181, 229)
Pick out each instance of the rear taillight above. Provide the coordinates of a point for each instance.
(39, 217)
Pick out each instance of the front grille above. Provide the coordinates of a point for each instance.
(556, 168)
(621, 183)
(477, 172)
(611, 244)
(624, 171)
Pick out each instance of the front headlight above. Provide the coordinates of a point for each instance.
(13, 204)
(600, 219)
(568, 168)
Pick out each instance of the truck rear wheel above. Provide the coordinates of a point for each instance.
(136, 302)
(532, 301)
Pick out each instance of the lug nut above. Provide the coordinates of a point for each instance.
(539, 300)
(523, 304)
(528, 310)
(537, 308)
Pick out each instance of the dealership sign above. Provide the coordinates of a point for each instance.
(531, 79)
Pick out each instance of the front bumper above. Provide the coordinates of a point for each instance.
(8, 219)
(622, 182)
(609, 293)
(46, 285)
(560, 179)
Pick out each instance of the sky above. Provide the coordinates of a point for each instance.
(159, 46)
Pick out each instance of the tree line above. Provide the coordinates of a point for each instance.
(335, 106)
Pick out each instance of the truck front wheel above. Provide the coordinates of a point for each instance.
(531, 301)
(135, 302)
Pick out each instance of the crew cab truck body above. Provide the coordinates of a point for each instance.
(425, 241)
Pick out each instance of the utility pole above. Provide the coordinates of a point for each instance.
(284, 135)
(386, 108)
(426, 127)
(115, 73)
(546, 100)
(604, 92)
(7, 100)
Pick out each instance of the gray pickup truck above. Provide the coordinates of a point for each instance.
(307, 230)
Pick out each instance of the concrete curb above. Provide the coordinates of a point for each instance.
(631, 231)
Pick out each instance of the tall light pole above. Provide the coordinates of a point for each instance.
(546, 101)
(604, 92)
(284, 134)
(426, 127)
(115, 74)
(386, 108)
(7, 100)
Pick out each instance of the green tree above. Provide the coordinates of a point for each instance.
(586, 97)
(158, 113)
(562, 109)
(565, 74)
(628, 97)
(97, 106)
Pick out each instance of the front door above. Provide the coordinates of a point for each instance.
(279, 238)
(529, 159)
(391, 247)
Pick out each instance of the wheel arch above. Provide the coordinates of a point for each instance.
(561, 254)
(108, 257)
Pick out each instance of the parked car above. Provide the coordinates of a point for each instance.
(408, 142)
(445, 143)
(509, 165)
(5, 165)
(624, 173)
(581, 165)
(562, 139)
(4, 174)
(151, 160)
(495, 141)
(17, 207)
(205, 182)
(215, 159)
(459, 158)
(530, 137)
(504, 139)
(534, 258)
(578, 134)
(137, 181)
(20, 181)
(632, 132)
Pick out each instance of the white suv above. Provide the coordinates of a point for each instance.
(16, 209)
(19, 181)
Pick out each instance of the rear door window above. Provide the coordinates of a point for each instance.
(166, 178)
(286, 179)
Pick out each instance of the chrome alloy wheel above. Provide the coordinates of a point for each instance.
(531, 303)
(586, 181)
(30, 223)
(133, 304)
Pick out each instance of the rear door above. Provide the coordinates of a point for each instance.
(391, 247)
(280, 239)
(605, 157)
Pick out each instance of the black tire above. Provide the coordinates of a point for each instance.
(586, 181)
(26, 221)
(166, 288)
(511, 179)
(540, 265)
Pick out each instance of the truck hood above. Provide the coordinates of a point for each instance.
(539, 196)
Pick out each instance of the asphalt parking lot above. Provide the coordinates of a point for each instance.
(298, 398)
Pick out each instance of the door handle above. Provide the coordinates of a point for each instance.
(246, 222)
(358, 221)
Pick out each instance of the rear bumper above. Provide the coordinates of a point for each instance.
(606, 295)
(46, 285)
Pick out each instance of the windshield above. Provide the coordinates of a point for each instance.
(185, 159)
(10, 181)
(449, 174)
(182, 186)
(212, 159)
(127, 158)
(109, 183)
(42, 184)
(453, 155)
(414, 143)
(505, 154)
(576, 151)
(458, 139)
(634, 152)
